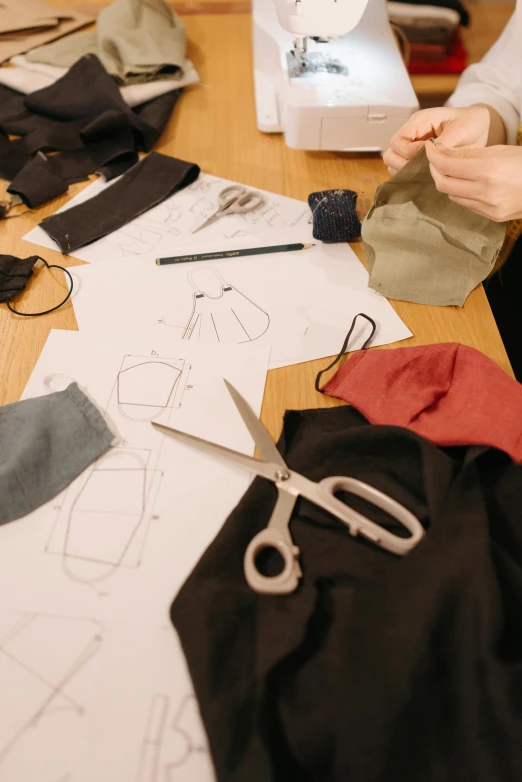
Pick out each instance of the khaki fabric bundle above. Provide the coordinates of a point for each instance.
(422, 247)
(25, 24)
(136, 41)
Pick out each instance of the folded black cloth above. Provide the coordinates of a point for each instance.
(378, 668)
(15, 273)
(37, 183)
(149, 182)
(83, 117)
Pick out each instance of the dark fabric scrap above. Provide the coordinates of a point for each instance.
(37, 183)
(334, 215)
(12, 162)
(15, 273)
(83, 117)
(45, 444)
(377, 668)
(151, 181)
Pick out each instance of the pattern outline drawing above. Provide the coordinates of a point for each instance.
(41, 684)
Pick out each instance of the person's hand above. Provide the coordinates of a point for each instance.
(464, 128)
(487, 181)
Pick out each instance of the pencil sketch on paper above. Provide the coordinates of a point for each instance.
(170, 742)
(220, 312)
(44, 662)
(104, 517)
(103, 523)
(147, 387)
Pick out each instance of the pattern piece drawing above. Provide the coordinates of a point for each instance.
(146, 387)
(168, 745)
(42, 662)
(104, 522)
(220, 312)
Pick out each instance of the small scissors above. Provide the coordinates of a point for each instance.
(234, 200)
(291, 485)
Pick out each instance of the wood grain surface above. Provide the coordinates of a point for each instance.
(214, 125)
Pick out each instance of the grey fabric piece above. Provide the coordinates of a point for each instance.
(45, 443)
(136, 41)
(422, 247)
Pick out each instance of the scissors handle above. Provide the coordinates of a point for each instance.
(275, 536)
(360, 525)
(285, 582)
(238, 200)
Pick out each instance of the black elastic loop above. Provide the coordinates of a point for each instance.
(46, 312)
(344, 347)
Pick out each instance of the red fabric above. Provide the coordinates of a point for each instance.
(455, 62)
(451, 394)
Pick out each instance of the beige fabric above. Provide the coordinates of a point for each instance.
(136, 40)
(25, 24)
(422, 247)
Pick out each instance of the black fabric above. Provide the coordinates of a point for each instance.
(153, 179)
(83, 117)
(15, 273)
(334, 215)
(504, 292)
(37, 183)
(378, 668)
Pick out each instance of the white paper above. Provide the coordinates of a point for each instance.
(171, 224)
(150, 731)
(302, 303)
(165, 501)
(87, 655)
(86, 700)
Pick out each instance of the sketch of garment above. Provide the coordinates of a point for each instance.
(107, 514)
(220, 312)
(146, 387)
(45, 675)
(171, 743)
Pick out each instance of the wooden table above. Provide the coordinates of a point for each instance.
(214, 125)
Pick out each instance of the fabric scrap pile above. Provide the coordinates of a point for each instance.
(432, 33)
(140, 43)
(31, 23)
(84, 117)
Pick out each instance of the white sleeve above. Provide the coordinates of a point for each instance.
(497, 79)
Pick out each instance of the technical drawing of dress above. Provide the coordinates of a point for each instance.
(220, 312)
(106, 515)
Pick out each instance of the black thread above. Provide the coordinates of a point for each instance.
(344, 347)
(46, 312)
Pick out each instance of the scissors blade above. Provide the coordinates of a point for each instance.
(210, 220)
(263, 469)
(262, 439)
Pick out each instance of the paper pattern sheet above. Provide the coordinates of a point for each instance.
(300, 303)
(171, 223)
(88, 579)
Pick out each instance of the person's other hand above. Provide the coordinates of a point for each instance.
(464, 128)
(487, 181)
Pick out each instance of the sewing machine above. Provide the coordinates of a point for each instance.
(329, 74)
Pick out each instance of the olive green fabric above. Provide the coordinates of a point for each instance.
(422, 247)
(136, 40)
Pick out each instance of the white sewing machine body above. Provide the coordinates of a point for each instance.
(363, 98)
